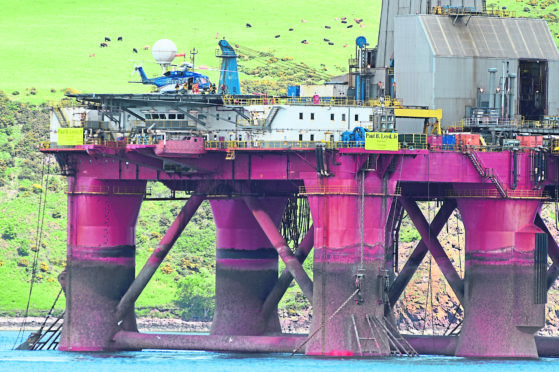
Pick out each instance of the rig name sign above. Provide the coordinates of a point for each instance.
(70, 136)
(381, 141)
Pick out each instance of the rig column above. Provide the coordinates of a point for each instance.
(246, 269)
(502, 309)
(100, 260)
(349, 220)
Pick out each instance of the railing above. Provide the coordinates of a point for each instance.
(104, 190)
(262, 144)
(493, 193)
(549, 122)
(222, 145)
(345, 190)
(170, 124)
(320, 101)
(460, 10)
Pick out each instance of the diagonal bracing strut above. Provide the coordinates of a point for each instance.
(285, 253)
(158, 255)
(285, 278)
(419, 253)
(429, 237)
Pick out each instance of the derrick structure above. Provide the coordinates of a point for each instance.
(356, 199)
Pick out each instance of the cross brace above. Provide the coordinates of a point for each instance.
(429, 237)
(285, 253)
(158, 255)
(419, 252)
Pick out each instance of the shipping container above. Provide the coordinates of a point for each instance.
(468, 139)
(293, 91)
(530, 141)
(449, 142)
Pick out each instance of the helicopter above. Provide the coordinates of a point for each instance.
(171, 78)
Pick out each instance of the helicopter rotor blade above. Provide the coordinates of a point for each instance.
(135, 71)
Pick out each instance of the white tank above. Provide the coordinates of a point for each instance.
(164, 51)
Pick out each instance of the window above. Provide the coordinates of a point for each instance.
(300, 137)
(331, 116)
(356, 117)
(300, 116)
(312, 115)
(148, 116)
(331, 138)
(180, 116)
(343, 117)
(312, 137)
(217, 116)
(172, 116)
(371, 118)
(229, 117)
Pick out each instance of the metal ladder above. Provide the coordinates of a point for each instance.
(398, 344)
(51, 337)
(372, 351)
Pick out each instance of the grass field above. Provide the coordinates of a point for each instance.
(47, 45)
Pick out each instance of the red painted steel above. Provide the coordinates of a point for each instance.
(246, 269)
(501, 317)
(100, 260)
(349, 211)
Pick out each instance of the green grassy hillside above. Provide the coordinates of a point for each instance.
(47, 45)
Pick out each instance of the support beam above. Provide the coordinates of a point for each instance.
(285, 278)
(159, 254)
(502, 311)
(246, 269)
(419, 253)
(552, 250)
(437, 251)
(255, 344)
(271, 231)
(101, 261)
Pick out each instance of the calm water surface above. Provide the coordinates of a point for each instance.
(167, 361)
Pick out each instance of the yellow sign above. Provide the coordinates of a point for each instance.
(381, 141)
(70, 136)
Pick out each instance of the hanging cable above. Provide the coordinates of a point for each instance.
(39, 233)
(362, 221)
(295, 221)
(427, 300)
(395, 236)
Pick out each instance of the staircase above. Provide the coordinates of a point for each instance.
(272, 115)
(486, 173)
(61, 116)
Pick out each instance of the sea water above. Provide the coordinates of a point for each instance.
(168, 361)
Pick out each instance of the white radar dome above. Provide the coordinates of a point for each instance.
(164, 51)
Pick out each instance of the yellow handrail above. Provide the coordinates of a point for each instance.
(311, 101)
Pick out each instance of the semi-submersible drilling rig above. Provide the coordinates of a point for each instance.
(251, 156)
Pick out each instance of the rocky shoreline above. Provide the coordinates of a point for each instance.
(288, 325)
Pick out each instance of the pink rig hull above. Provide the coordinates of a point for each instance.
(351, 193)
